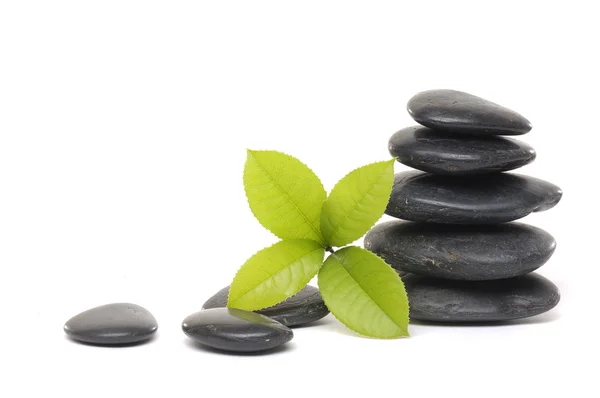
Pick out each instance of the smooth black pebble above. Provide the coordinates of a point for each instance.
(463, 252)
(441, 300)
(112, 324)
(305, 307)
(456, 111)
(446, 153)
(231, 329)
(486, 199)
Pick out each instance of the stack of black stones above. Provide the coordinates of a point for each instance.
(460, 256)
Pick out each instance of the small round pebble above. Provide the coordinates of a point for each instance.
(235, 330)
(112, 324)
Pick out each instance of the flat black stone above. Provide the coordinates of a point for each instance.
(305, 307)
(235, 330)
(463, 252)
(487, 199)
(450, 110)
(442, 300)
(112, 324)
(441, 152)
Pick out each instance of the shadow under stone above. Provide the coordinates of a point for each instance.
(274, 351)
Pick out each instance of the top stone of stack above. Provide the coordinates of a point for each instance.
(458, 112)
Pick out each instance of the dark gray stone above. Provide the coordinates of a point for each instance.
(112, 324)
(464, 252)
(235, 330)
(446, 153)
(305, 307)
(487, 199)
(450, 110)
(442, 300)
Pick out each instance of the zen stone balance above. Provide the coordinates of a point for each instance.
(460, 256)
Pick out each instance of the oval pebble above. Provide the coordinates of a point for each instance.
(235, 330)
(486, 199)
(112, 324)
(449, 154)
(457, 111)
(442, 300)
(463, 252)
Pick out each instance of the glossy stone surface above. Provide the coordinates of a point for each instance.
(235, 330)
(464, 252)
(305, 307)
(487, 199)
(112, 324)
(450, 110)
(441, 152)
(442, 300)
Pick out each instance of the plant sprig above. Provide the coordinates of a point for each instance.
(288, 199)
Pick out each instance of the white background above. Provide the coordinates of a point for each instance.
(123, 130)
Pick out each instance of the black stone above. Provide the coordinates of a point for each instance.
(464, 252)
(450, 110)
(112, 324)
(235, 330)
(305, 307)
(401, 273)
(487, 199)
(442, 300)
(446, 153)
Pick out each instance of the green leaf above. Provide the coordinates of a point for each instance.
(364, 293)
(275, 273)
(285, 196)
(356, 203)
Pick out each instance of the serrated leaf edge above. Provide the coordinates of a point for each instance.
(318, 231)
(357, 332)
(390, 162)
(264, 248)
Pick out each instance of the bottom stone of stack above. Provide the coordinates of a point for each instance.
(442, 300)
